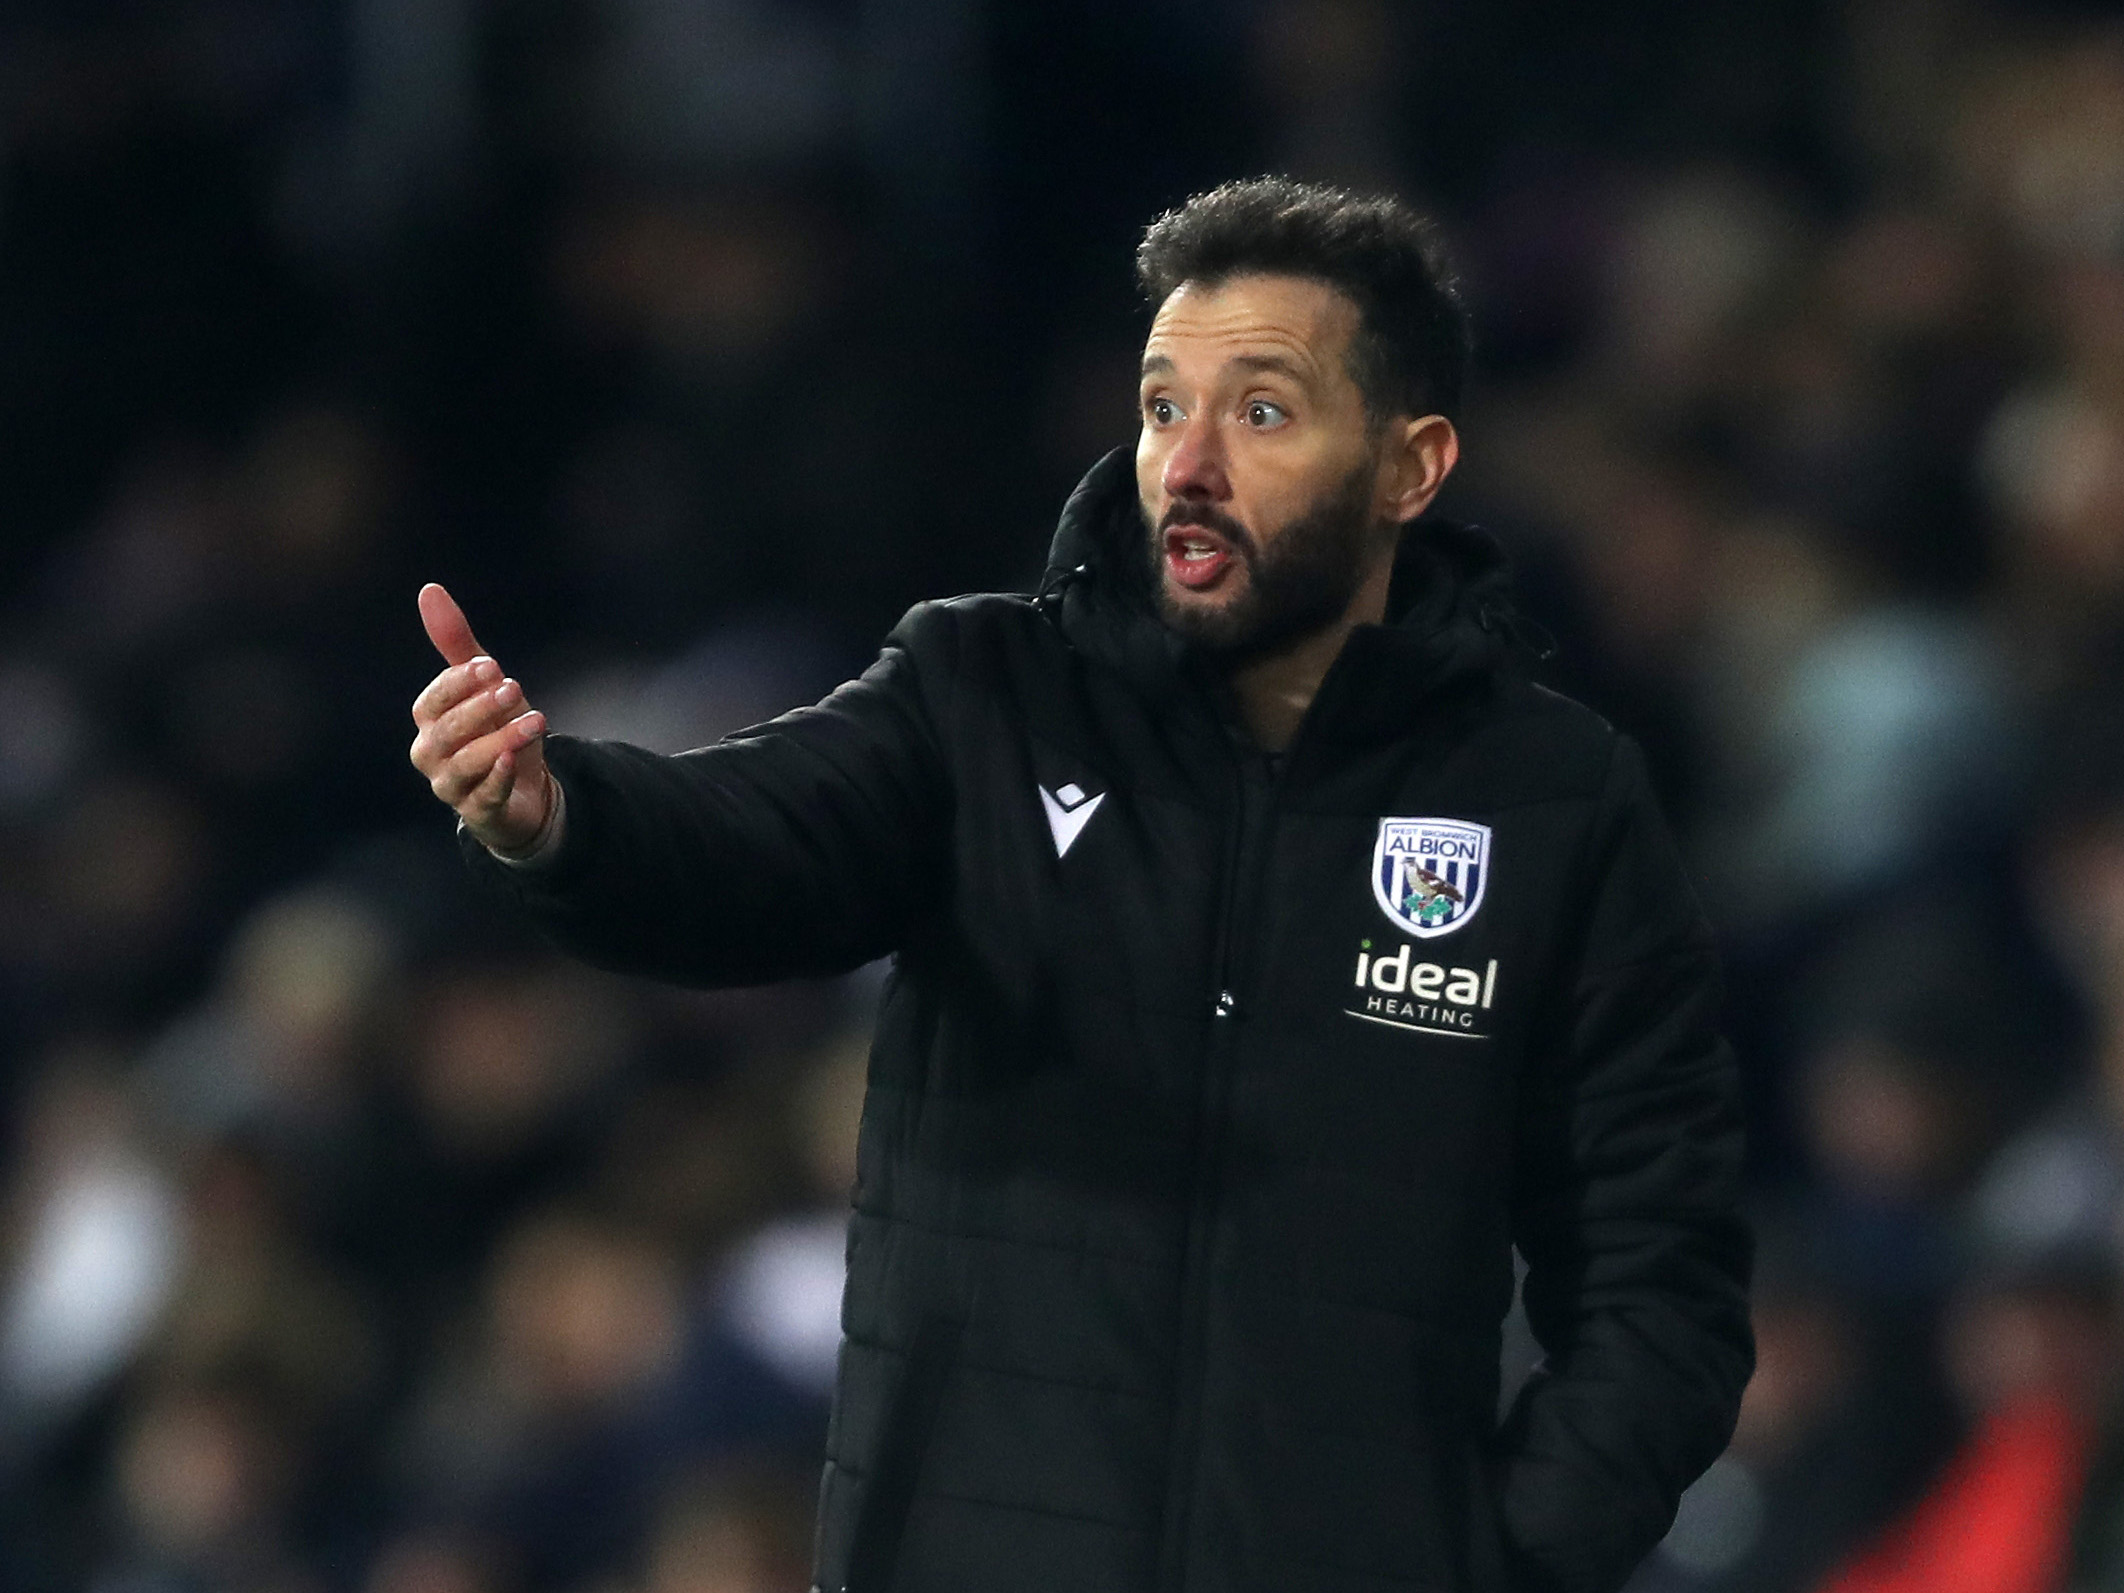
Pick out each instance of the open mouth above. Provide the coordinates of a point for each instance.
(1196, 556)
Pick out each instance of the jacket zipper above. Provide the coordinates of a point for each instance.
(1255, 792)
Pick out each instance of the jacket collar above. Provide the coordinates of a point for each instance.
(1450, 620)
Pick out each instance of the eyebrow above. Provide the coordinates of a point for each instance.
(1271, 362)
(1159, 364)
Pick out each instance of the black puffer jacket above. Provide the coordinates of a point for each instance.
(1210, 1096)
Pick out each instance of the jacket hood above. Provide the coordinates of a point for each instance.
(1450, 610)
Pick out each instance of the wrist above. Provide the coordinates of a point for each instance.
(545, 839)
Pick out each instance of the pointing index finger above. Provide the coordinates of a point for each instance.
(446, 625)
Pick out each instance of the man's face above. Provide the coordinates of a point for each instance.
(1260, 483)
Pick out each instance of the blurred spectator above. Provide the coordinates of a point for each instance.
(99, 1243)
(108, 894)
(1331, 69)
(1859, 740)
(203, 1478)
(275, 1050)
(781, 1294)
(486, 1107)
(764, 1342)
(2032, 1358)
(253, 1303)
(2058, 1186)
(437, 1563)
(734, 1532)
(1837, 1432)
(543, 1430)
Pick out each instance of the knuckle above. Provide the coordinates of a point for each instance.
(461, 721)
(470, 767)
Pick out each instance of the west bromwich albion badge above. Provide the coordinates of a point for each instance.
(1429, 874)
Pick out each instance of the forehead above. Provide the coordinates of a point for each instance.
(1294, 320)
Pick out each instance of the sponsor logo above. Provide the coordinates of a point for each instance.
(1428, 997)
(1069, 809)
(1429, 874)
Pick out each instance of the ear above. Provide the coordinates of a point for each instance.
(1415, 459)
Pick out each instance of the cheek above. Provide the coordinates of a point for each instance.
(1150, 460)
(1150, 470)
(1275, 484)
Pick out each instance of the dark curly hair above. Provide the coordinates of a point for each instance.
(1410, 353)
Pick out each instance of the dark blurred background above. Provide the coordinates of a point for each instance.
(349, 1243)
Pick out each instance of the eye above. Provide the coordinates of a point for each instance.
(1161, 410)
(1263, 414)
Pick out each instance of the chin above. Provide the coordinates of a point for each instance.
(1219, 625)
(1183, 606)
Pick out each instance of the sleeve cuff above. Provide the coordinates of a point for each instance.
(544, 847)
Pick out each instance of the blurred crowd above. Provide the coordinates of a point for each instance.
(350, 1242)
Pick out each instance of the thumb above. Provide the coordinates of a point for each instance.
(446, 626)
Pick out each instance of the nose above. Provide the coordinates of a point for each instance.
(1195, 467)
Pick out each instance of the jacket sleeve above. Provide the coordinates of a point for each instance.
(1627, 1184)
(807, 845)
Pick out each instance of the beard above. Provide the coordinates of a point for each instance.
(1300, 585)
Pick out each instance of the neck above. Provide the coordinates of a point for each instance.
(1274, 693)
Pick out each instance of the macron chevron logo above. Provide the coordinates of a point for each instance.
(1068, 811)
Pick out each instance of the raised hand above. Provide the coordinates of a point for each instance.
(479, 741)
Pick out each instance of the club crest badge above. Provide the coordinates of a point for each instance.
(1429, 874)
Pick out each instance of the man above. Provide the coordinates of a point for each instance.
(1270, 958)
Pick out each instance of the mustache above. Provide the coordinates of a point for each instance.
(1183, 512)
